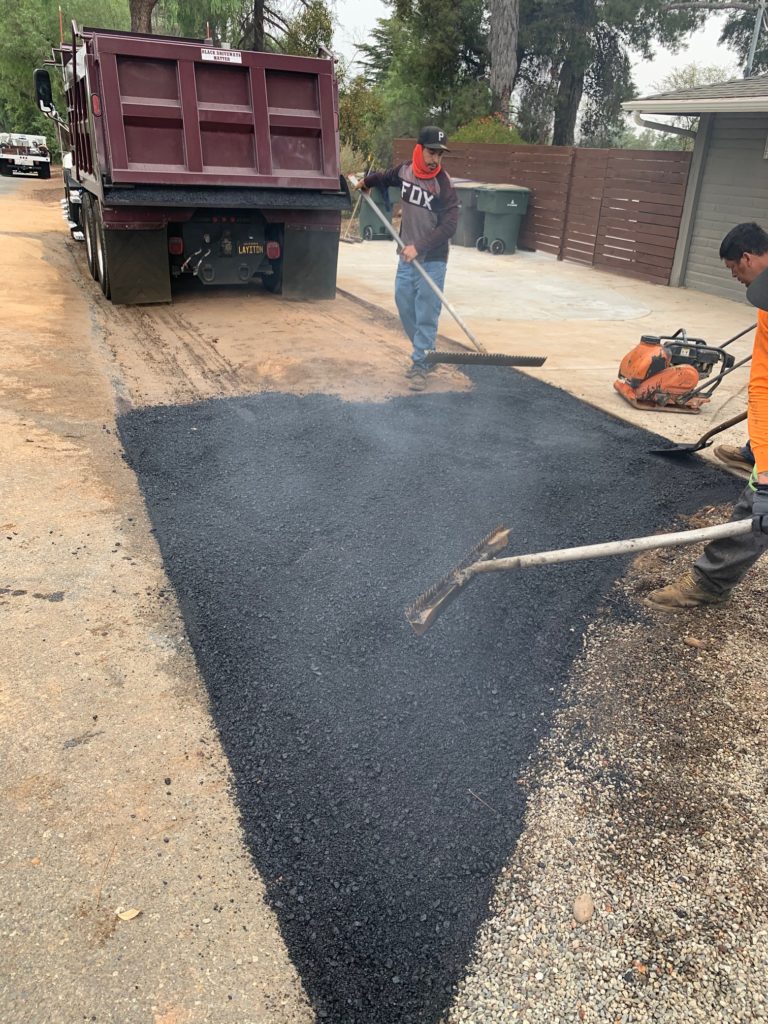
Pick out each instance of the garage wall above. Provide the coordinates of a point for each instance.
(734, 188)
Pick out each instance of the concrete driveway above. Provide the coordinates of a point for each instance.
(584, 320)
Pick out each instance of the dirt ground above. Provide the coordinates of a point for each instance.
(115, 791)
(115, 794)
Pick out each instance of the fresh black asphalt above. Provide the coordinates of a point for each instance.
(378, 774)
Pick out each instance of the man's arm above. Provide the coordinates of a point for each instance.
(383, 179)
(758, 398)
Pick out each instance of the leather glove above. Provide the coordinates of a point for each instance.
(760, 511)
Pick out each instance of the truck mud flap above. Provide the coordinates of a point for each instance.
(309, 263)
(139, 271)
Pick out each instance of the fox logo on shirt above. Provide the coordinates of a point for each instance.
(417, 196)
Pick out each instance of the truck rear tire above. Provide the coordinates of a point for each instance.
(44, 171)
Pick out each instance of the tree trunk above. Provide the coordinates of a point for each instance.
(258, 24)
(569, 90)
(141, 15)
(505, 24)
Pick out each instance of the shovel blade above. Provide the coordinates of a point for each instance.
(678, 449)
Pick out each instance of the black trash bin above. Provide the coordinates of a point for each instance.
(371, 228)
(470, 226)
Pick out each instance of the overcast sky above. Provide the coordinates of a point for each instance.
(357, 17)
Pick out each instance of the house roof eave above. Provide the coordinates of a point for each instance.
(741, 105)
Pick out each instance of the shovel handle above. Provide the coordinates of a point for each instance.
(720, 426)
(737, 336)
(716, 380)
(425, 275)
(617, 547)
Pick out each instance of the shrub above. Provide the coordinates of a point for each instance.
(492, 128)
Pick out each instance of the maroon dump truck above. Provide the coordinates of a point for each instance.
(188, 158)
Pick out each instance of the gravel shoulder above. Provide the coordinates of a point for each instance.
(648, 797)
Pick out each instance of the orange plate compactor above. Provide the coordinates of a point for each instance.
(664, 373)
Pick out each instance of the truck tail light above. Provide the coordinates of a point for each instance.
(96, 104)
(273, 250)
(176, 246)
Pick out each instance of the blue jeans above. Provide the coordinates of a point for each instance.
(418, 306)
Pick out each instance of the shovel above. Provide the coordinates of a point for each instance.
(481, 355)
(426, 608)
(703, 442)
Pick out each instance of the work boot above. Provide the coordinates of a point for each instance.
(733, 457)
(418, 379)
(685, 593)
(412, 370)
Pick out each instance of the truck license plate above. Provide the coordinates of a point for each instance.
(249, 248)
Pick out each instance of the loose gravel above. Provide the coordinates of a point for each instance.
(383, 779)
(649, 797)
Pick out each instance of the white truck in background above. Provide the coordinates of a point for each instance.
(25, 153)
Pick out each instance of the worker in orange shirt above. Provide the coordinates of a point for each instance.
(711, 579)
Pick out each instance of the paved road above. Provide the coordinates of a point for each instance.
(9, 184)
(378, 774)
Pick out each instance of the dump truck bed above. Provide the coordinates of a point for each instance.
(179, 112)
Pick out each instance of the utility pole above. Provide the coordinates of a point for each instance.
(759, 21)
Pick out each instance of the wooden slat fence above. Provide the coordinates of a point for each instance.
(618, 209)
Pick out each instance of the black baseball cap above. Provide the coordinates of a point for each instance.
(757, 292)
(433, 137)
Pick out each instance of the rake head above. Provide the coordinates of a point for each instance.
(484, 359)
(426, 608)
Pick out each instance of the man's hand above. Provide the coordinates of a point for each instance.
(409, 253)
(760, 511)
(357, 183)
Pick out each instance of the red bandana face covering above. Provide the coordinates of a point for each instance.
(420, 169)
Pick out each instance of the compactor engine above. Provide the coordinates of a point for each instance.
(662, 372)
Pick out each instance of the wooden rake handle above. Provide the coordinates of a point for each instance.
(425, 275)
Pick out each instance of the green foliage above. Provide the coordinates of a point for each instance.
(427, 63)
(30, 29)
(581, 45)
(651, 139)
(534, 101)
(307, 30)
(360, 113)
(353, 161)
(296, 28)
(737, 33)
(607, 84)
(226, 19)
(690, 76)
(492, 128)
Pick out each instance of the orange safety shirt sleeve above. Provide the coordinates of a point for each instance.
(758, 394)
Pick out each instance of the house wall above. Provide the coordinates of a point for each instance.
(732, 187)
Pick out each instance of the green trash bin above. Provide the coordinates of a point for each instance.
(504, 207)
(470, 226)
(371, 227)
